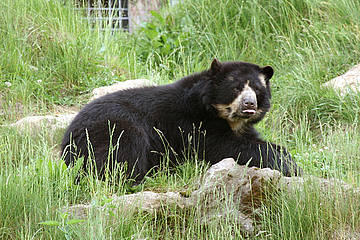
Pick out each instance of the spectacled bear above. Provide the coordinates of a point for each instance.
(210, 114)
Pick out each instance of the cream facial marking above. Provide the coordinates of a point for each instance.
(238, 126)
(262, 79)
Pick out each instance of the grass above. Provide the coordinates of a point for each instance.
(50, 59)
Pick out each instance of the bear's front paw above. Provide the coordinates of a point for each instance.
(285, 164)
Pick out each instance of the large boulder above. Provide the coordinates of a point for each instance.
(231, 191)
(48, 122)
(227, 191)
(136, 83)
(348, 82)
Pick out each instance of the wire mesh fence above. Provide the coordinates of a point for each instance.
(106, 14)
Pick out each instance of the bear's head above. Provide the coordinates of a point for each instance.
(240, 92)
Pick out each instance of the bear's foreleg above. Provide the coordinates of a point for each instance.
(269, 155)
(253, 154)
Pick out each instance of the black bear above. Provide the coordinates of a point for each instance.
(209, 114)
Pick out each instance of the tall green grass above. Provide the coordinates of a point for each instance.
(52, 58)
(49, 54)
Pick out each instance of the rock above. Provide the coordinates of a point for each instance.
(291, 184)
(239, 188)
(246, 185)
(349, 81)
(147, 201)
(101, 91)
(227, 192)
(78, 211)
(50, 122)
(345, 233)
(53, 122)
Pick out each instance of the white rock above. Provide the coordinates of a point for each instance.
(228, 192)
(136, 83)
(349, 81)
(48, 121)
(147, 201)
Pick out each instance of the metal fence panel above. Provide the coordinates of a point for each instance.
(106, 14)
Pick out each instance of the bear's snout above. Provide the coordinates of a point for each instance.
(248, 102)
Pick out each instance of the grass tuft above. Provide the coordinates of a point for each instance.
(50, 59)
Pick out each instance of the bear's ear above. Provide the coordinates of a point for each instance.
(215, 66)
(268, 72)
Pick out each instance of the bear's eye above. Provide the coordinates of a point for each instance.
(236, 89)
(256, 89)
(228, 109)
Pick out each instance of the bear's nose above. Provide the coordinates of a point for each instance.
(249, 102)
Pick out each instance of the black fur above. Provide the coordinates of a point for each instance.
(140, 121)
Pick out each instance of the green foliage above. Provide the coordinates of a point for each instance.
(63, 225)
(49, 56)
(162, 40)
(312, 214)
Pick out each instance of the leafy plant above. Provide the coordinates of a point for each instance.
(64, 225)
(161, 38)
